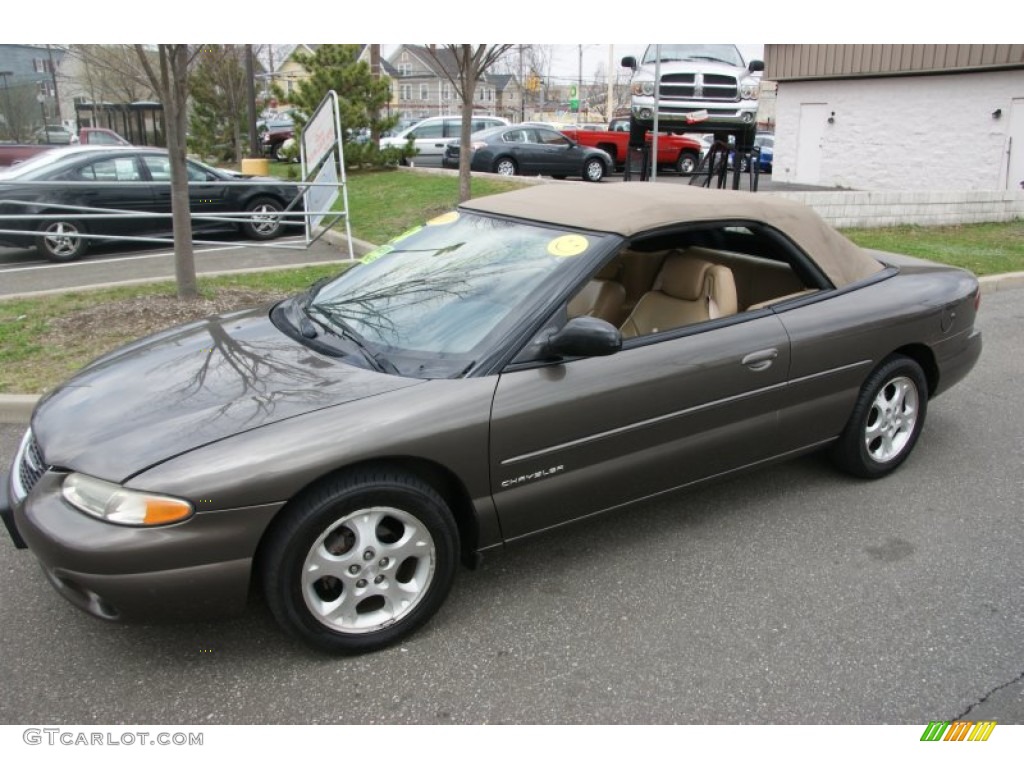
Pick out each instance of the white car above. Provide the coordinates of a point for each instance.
(430, 136)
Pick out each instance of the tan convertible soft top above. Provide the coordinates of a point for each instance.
(635, 208)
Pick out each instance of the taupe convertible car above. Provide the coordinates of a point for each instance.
(527, 360)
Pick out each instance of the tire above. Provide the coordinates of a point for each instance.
(57, 243)
(886, 420)
(265, 223)
(593, 169)
(385, 547)
(505, 166)
(687, 162)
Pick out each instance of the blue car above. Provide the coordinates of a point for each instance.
(766, 141)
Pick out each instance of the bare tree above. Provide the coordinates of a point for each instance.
(170, 82)
(464, 65)
(109, 73)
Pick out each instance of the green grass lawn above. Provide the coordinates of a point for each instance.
(383, 204)
(984, 249)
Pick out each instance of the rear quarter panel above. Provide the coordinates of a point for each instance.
(838, 340)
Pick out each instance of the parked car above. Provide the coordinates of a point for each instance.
(92, 178)
(430, 136)
(765, 143)
(533, 358)
(703, 87)
(102, 136)
(680, 153)
(530, 150)
(277, 134)
(55, 134)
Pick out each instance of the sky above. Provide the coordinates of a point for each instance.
(755, 22)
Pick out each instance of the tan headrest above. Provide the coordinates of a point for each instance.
(683, 277)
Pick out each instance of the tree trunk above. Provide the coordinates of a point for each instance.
(469, 77)
(176, 82)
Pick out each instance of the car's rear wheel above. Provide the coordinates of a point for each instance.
(264, 222)
(593, 170)
(886, 420)
(361, 561)
(505, 166)
(59, 240)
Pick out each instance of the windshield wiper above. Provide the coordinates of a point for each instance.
(377, 361)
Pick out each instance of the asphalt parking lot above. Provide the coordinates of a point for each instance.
(788, 595)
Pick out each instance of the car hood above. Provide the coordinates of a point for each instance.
(190, 386)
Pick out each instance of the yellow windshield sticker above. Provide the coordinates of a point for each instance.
(568, 245)
(444, 218)
(376, 253)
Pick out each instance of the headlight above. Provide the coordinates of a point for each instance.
(115, 504)
(749, 89)
(643, 87)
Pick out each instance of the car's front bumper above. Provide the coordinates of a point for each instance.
(695, 116)
(200, 568)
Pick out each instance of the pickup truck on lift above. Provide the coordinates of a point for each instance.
(679, 152)
(11, 154)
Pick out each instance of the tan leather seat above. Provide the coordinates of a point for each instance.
(687, 290)
(599, 298)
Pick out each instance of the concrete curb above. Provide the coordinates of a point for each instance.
(17, 409)
(1003, 282)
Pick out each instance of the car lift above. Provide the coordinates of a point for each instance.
(714, 165)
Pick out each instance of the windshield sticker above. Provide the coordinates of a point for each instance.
(376, 253)
(568, 245)
(444, 218)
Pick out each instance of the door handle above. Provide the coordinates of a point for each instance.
(760, 360)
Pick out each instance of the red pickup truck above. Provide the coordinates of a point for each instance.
(679, 152)
(11, 154)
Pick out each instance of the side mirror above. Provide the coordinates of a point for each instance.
(756, 65)
(629, 61)
(585, 337)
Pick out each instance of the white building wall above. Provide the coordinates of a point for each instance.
(900, 133)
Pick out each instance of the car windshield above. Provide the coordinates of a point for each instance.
(447, 291)
(724, 54)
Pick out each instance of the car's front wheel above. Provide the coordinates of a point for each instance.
(687, 163)
(593, 169)
(59, 241)
(264, 222)
(361, 561)
(886, 420)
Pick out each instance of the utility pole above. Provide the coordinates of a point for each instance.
(579, 86)
(53, 76)
(609, 108)
(250, 77)
(522, 88)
